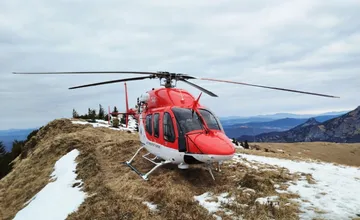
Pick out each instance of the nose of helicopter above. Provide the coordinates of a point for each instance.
(215, 146)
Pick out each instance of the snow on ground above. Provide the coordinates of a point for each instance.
(335, 194)
(80, 122)
(213, 203)
(102, 123)
(58, 198)
(132, 122)
(151, 206)
(236, 146)
(267, 200)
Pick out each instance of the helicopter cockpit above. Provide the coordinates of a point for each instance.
(188, 121)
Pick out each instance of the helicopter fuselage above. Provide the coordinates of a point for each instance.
(174, 126)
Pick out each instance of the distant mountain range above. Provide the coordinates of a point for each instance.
(344, 129)
(8, 136)
(266, 125)
(231, 120)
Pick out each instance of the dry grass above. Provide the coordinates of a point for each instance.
(345, 154)
(262, 178)
(31, 174)
(116, 192)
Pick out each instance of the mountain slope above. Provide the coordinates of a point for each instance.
(114, 191)
(345, 128)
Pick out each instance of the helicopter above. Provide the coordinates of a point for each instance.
(173, 126)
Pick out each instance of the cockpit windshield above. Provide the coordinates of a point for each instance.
(186, 120)
(210, 119)
(189, 121)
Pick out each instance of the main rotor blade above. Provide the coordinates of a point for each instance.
(200, 88)
(89, 72)
(270, 87)
(112, 81)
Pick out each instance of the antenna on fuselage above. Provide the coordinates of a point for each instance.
(196, 102)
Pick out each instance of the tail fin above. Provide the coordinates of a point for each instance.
(127, 106)
(127, 111)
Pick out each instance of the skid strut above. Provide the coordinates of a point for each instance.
(210, 171)
(152, 160)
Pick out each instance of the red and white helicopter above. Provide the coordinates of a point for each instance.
(173, 125)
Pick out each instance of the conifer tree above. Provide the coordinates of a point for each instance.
(115, 110)
(92, 114)
(17, 147)
(101, 112)
(2, 149)
(5, 159)
(75, 114)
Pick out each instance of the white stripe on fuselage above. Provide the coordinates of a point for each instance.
(173, 155)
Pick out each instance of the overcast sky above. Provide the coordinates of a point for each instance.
(305, 45)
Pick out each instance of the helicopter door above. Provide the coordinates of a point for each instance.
(182, 139)
(168, 128)
(187, 122)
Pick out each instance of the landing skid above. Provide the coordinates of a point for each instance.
(209, 168)
(152, 160)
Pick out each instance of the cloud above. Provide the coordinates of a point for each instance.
(306, 45)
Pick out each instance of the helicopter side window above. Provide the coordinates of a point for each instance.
(148, 126)
(210, 119)
(168, 127)
(156, 125)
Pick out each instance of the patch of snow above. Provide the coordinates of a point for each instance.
(248, 190)
(206, 200)
(238, 147)
(101, 123)
(335, 192)
(151, 206)
(242, 161)
(266, 200)
(217, 217)
(281, 191)
(209, 205)
(132, 122)
(95, 125)
(57, 199)
(80, 122)
(243, 205)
